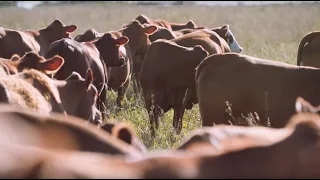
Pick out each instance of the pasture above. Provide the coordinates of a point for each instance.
(270, 32)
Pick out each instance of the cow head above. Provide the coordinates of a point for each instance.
(138, 35)
(225, 33)
(112, 49)
(84, 96)
(59, 30)
(32, 60)
(90, 35)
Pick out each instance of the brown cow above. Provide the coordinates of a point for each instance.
(31, 60)
(19, 42)
(223, 31)
(210, 40)
(169, 25)
(34, 90)
(167, 74)
(221, 40)
(125, 133)
(79, 56)
(290, 152)
(56, 132)
(138, 45)
(308, 50)
(118, 77)
(252, 85)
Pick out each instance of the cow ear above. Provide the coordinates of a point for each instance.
(121, 41)
(52, 65)
(150, 29)
(225, 27)
(89, 78)
(15, 57)
(70, 29)
(304, 106)
(123, 132)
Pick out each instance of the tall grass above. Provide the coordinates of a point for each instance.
(270, 32)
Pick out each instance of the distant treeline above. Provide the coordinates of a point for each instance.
(14, 3)
(8, 3)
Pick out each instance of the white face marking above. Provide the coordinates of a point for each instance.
(234, 46)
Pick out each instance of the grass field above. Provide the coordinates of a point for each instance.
(270, 32)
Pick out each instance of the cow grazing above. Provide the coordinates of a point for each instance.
(252, 85)
(125, 133)
(118, 78)
(308, 50)
(290, 152)
(166, 24)
(34, 90)
(97, 55)
(19, 42)
(31, 60)
(167, 75)
(138, 45)
(56, 132)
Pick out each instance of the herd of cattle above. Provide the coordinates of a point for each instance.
(53, 93)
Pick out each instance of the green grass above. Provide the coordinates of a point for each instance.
(270, 32)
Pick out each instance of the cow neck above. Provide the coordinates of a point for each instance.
(43, 42)
(100, 49)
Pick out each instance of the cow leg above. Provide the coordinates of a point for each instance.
(101, 104)
(154, 119)
(121, 92)
(153, 112)
(135, 84)
(179, 109)
(214, 115)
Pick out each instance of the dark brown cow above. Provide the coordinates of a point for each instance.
(79, 56)
(308, 50)
(19, 42)
(118, 77)
(125, 133)
(31, 60)
(169, 25)
(290, 152)
(138, 45)
(34, 90)
(167, 74)
(56, 132)
(252, 85)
